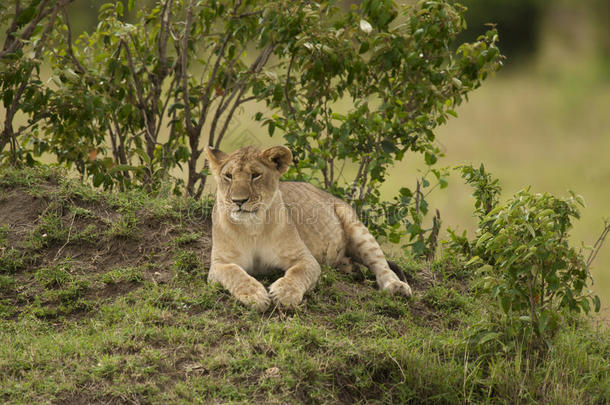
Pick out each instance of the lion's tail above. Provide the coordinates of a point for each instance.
(362, 246)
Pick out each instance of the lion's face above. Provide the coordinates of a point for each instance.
(248, 179)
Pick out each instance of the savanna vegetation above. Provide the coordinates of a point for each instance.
(104, 300)
(103, 257)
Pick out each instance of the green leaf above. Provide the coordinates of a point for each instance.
(597, 303)
(121, 168)
(430, 158)
(364, 46)
(143, 155)
(388, 146)
(473, 260)
(486, 337)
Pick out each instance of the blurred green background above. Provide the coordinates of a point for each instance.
(543, 120)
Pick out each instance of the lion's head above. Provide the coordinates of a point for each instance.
(248, 179)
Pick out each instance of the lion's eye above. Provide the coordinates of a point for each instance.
(228, 176)
(256, 176)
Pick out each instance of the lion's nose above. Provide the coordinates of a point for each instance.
(239, 201)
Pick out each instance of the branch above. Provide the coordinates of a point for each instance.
(364, 178)
(11, 43)
(228, 119)
(12, 109)
(250, 14)
(355, 182)
(288, 103)
(163, 34)
(208, 88)
(598, 244)
(170, 92)
(223, 104)
(79, 67)
(140, 93)
(183, 72)
(239, 90)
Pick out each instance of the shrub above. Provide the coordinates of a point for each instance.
(114, 91)
(529, 267)
(369, 86)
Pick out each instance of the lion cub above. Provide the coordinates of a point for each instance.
(261, 225)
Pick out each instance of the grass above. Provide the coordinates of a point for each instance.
(129, 317)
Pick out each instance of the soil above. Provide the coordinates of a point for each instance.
(151, 246)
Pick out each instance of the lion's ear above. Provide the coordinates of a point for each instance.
(278, 157)
(215, 157)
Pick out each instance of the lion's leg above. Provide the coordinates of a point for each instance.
(240, 284)
(298, 279)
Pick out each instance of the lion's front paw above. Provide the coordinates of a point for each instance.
(285, 293)
(398, 287)
(254, 294)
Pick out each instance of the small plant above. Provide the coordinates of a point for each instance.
(444, 299)
(486, 195)
(186, 261)
(187, 238)
(4, 229)
(72, 294)
(7, 284)
(527, 263)
(11, 261)
(125, 227)
(50, 229)
(81, 212)
(53, 277)
(123, 274)
(532, 270)
(88, 235)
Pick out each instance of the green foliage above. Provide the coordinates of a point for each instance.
(186, 261)
(21, 89)
(113, 324)
(123, 274)
(487, 190)
(187, 238)
(528, 265)
(11, 260)
(52, 277)
(7, 283)
(116, 89)
(519, 21)
(369, 86)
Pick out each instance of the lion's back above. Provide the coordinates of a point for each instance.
(313, 213)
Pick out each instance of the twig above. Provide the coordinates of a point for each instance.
(287, 85)
(404, 378)
(79, 67)
(67, 240)
(238, 91)
(433, 239)
(208, 89)
(598, 244)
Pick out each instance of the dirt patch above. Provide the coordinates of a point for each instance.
(52, 230)
(18, 209)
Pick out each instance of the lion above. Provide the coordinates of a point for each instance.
(261, 225)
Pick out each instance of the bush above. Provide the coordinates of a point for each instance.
(528, 265)
(115, 90)
(367, 87)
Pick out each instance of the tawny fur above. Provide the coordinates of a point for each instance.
(262, 225)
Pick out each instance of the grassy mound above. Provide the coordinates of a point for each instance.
(103, 299)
